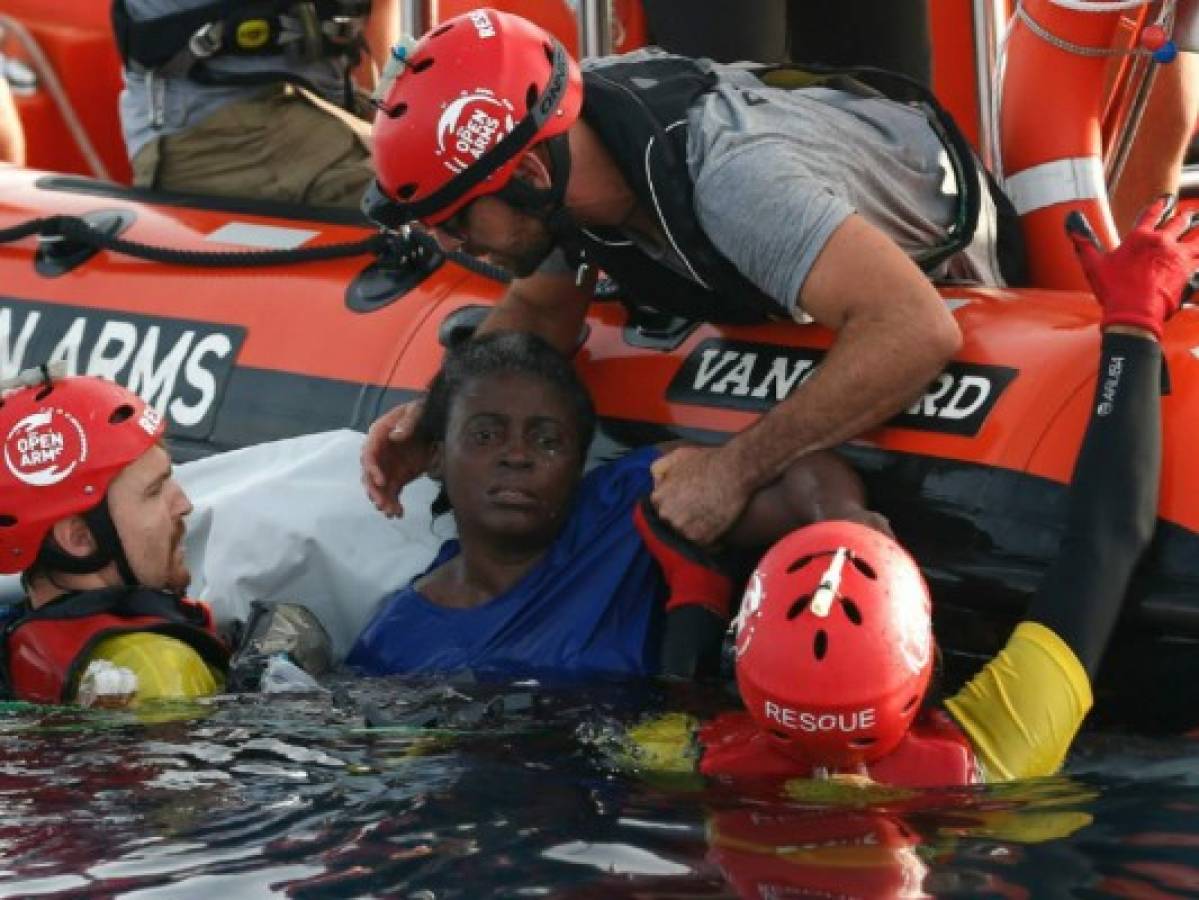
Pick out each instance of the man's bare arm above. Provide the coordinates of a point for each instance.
(893, 335)
(12, 136)
(550, 306)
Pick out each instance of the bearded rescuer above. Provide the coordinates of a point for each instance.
(94, 521)
(712, 193)
(92, 518)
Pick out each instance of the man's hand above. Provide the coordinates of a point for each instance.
(392, 456)
(1142, 282)
(696, 493)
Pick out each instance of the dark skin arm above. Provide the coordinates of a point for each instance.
(816, 488)
(551, 306)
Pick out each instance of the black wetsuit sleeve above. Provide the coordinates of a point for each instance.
(1112, 505)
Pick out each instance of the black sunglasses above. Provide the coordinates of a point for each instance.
(455, 226)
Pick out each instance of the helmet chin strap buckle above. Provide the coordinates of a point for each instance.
(44, 374)
(397, 60)
(830, 584)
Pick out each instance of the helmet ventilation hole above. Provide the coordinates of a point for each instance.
(864, 567)
(799, 563)
(799, 606)
(421, 65)
(911, 702)
(862, 743)
(442, 30)
(548, 49)
(405, 191)
(7, 521)
(530, 98)
(851, 611)
(122, 413)
(44, 391)
(394, 112)
(780, 734)
(820, 645)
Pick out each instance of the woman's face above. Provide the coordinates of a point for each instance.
(511, 459)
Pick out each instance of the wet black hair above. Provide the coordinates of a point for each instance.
(501, 352)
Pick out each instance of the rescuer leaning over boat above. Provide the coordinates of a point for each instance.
(834, 641)
(93, 519)
(250, 100)
(709, 192)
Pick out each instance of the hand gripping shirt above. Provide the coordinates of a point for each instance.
(591, 606)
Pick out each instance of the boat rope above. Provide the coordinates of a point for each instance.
(1165, 21)
(391, 245)
(1100, 6)
(1083, 6)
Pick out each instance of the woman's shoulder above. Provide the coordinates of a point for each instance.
(626, 475)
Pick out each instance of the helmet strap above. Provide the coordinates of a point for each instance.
(109, 549)
(546, 204)
(99, 520)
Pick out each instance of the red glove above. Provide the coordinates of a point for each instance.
(691, 578)
(1144, 280)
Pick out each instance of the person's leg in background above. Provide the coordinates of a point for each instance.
(720, 30)
(1154, 165)
(885, 34)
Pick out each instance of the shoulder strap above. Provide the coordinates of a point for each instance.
(154, 42)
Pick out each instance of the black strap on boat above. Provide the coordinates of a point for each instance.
(401, 245)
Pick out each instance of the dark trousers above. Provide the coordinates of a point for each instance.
(889, 34)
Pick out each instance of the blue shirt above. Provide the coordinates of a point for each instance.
(591, 606)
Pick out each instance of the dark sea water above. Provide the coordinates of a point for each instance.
(395, 789)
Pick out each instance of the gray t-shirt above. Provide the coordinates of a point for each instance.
(156, 105)
(777, 171)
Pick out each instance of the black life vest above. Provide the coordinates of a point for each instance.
(181, 43)
(639, 110)
(44, 649)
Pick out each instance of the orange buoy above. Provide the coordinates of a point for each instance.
(1054, 91)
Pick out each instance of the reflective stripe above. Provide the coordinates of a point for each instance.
(1079, 178)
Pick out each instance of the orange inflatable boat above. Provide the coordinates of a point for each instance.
(972, 475)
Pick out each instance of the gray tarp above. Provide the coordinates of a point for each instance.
(289, 520)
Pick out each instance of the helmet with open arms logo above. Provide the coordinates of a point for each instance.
(459, 109)
(65, 440)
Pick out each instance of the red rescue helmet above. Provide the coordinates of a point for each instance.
(465, 104)
(834, 644)
(776, 851)
(65, 440)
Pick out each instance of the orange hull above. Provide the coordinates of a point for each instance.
(236, 356)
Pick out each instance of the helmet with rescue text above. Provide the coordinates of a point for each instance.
(834, 644)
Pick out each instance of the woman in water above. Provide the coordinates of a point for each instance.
(556, 572)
